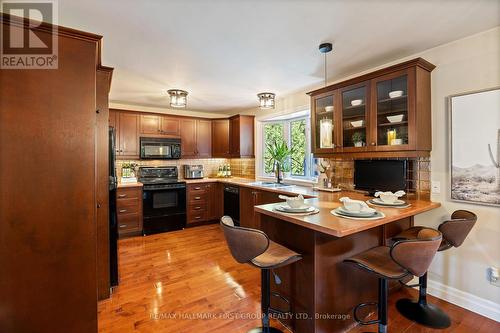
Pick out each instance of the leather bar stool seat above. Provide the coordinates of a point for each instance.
(252, 246)
(403, 258)
(454, 233)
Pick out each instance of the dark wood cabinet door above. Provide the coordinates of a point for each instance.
(112, 118)
(247, 202)
(246, 136)
(170, 126)
(234, 142)
(214, 201)
(220, 138)
(150, 124)
(128, 135)
(203, 138)
(188, 137)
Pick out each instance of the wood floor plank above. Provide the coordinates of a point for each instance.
(186, 281)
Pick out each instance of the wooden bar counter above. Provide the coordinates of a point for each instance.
(322, 289)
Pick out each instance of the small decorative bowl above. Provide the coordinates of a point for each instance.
(395, 119)
(395, 93)
(356, 102)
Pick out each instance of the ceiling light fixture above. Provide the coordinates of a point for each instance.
(325, 48)
(266, 100)
(178, 98)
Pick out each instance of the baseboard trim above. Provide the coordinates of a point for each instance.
(465, 300)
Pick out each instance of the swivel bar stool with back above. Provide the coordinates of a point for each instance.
(454, 233)
(402, 259)
(252, 246)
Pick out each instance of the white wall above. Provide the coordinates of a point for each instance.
(458, 275)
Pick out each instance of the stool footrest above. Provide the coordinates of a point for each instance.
(409, 285)
(362, 322)
(280, 312)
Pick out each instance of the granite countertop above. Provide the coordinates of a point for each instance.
(332, 225)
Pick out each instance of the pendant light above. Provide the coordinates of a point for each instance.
(325, 48)
(266, 100)
(178, 98)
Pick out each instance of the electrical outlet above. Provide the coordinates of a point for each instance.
(435, 187)
(494, 276)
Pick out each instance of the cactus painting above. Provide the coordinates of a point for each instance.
(475, 136)
(496, 162)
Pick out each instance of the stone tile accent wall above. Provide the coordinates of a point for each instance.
(239, 167)
(417, 181)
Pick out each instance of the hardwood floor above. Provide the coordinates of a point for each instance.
(185, 281)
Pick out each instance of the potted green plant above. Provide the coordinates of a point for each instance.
(358, 139)
(279, 154)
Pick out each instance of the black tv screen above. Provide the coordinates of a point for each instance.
(380, 175)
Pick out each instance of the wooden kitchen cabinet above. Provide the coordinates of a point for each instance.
(358, 118)
(220, 138)
(129, 211)
(157, 125)
(188, 137)
(241, 136)
(204, 203)
(249, 198)
(196, 138)
(203, 138)
(127, 135)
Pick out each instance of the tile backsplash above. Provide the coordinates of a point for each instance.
(417, 180)
(240, 167)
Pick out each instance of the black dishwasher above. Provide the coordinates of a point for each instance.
(232, 203)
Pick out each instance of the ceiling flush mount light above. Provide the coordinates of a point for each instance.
(178, 98)
(325, 48)
(266, 100)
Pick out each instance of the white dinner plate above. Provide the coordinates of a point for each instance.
(341, 210)
(379, 201)
(288, 209)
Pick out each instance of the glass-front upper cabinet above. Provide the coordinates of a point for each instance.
(392, 111)
(324, 123)
(355, 108)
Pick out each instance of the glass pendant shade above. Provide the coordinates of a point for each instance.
(266, 100)
(178, 98)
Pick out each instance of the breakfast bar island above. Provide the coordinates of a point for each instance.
(323, 290)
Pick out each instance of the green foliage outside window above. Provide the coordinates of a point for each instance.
(298, 143)
(273, 132)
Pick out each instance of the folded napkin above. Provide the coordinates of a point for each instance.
(397, 194)
(345, 200)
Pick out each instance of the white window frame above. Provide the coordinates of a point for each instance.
(309, 177)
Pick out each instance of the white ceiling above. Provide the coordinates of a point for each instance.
(225, 52)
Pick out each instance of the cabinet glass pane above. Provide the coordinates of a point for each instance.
(392, 112)
(354, 117)
(324, 122)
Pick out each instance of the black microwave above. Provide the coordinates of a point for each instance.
(160, 148)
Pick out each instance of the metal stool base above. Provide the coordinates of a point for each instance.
(423, 313)
(265, 330)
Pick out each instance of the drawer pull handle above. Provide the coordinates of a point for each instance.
(197, 188)
(122, 195)
(122, 210)
(197, 217)
(197, 198)
(123, 225)
(197, 208)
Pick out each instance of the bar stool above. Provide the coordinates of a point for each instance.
(252, 246)
(454, 233)
(403, 258)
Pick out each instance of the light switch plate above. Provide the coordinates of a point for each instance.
(435, 187)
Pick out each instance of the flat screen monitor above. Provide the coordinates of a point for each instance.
(380, 175)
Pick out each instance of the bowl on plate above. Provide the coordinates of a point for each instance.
(293, 202)
(357, 123)
(395, 93)
(356, 102)
(389, 197)
(396, 119)
(329, 108)
(355, 206)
